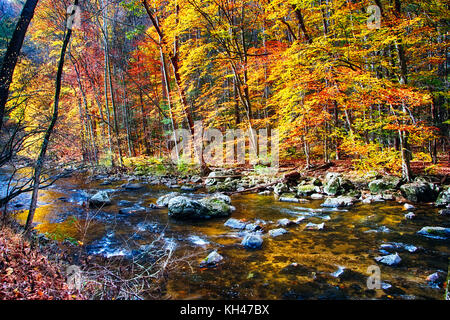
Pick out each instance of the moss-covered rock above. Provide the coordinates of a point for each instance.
(337, 185)
(384, 184)
(306, 190)
(181, 207)
(443, 198)
(280, 188)
(419, 191)
(332, 185)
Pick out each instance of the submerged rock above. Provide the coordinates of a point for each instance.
(435, 232)
(277, 232)
(133, 186)
(399, 246)
(252, 227)
(235, 224)
(105, 183)
(252, 241)
(433, 277)
(288, 197)
(100, 199)
(338, 272)
(133, 209)
(211, 260)
(317, 196)
(314, 226)
(124, 203)
(390, 260)
(285, 222)
(340, 201)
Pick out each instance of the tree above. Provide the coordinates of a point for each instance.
(12, 54)
(48, 132)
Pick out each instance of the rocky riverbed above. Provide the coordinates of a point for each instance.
(294, 238)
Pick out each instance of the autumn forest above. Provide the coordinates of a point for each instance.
(107, 87)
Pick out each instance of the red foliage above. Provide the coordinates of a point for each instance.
(27, 274)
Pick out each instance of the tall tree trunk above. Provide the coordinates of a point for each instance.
(87, 118)
(144, 125)
(105, 78)
(48, 132)
(12, 54)
(126, 119)
(174, 63)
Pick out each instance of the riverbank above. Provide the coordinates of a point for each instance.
(294, 182)
(30, 271)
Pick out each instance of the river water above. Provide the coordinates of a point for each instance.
(330, 263)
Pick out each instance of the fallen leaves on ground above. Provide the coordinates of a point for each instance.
(27, 274)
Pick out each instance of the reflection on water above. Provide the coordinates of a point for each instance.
(303, 264)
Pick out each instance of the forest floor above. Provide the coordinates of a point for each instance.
(28, 273)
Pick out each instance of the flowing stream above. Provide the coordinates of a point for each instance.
(330, 263)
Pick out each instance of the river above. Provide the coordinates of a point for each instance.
(330, 263)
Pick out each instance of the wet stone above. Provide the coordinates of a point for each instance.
(277, 232)
(252, 241)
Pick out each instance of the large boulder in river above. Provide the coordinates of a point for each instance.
(210, 207)
(217, 205)
(420, 191)
(443, 198)
(100, 199)
(336, 184)
(181, 207)
(384, 184)
(163, 201)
